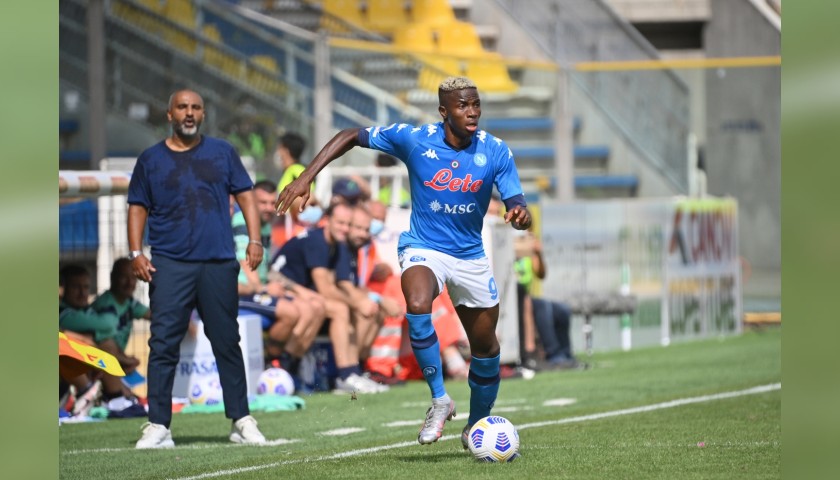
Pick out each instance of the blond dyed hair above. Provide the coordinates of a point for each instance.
(450, 84)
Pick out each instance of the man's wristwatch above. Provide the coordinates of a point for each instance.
(134, 254)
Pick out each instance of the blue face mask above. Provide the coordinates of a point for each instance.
(310, 214)
(376, 227)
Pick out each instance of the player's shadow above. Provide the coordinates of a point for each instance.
(202, 439)
(435, 457)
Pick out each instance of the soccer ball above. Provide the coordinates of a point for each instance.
(494, 439)
(276, 381)
(206, 390)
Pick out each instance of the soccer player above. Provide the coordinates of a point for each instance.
(452, 166)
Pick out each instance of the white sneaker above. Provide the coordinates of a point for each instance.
(245, 430)
(442, 409)
(358, 384)
(155, 435)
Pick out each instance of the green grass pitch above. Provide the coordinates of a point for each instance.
(685, 411)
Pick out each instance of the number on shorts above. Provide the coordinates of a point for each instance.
(494, 292)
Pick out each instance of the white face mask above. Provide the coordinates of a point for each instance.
(376, 227)
(311, 215)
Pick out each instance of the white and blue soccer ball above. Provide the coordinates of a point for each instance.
(275, 381)
(494, 439)
(206, 390)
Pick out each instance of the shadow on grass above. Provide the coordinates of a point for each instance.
(434, 457)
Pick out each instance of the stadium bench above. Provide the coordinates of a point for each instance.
(603, 303)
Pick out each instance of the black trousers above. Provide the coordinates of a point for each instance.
(176, 288)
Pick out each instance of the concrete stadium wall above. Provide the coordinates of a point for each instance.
(743, 151)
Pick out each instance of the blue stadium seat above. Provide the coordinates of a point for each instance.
(78, 226)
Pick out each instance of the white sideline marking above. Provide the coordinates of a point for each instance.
(403, 423)
(559, 402)
(597, 416)
(342, 431)
(656, 406)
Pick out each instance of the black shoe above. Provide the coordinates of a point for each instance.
(561, 362)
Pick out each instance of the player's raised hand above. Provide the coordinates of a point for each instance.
(298, 188)
(519, 218)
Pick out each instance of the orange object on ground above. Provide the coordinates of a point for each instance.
(75, 357)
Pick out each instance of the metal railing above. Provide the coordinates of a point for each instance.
(144, 67)
(649, 108)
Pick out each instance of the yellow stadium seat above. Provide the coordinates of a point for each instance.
(153, 5)
(436, 68)
(386, 16)
(213, 55)
(266, 61)
(459, 38)
(490, 75)
(347, 10)
(431, 12)
(180, 12)
(416, 38)
(212, 33)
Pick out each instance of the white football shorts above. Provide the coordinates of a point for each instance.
(470, 282)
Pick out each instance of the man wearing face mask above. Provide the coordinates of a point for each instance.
(291, 319)
(363, 256)
(319, 260)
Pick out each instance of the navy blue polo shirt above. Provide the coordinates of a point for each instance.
(309, 250)
(187, 195)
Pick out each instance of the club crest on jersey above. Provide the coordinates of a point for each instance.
(444, 179)
(480, 160)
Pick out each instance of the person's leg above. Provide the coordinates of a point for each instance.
(172, 297)
(218, 307)
(366, 330)
(544, 319)
(287, 315)
(484, 379)
(420, 287)
(340, 331)
(528, 352)
(312, 316)
(562, 325)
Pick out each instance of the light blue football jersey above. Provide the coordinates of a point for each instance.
(450, 189)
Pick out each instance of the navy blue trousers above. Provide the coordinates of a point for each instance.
(176, 288)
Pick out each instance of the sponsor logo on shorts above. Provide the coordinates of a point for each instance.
(417, 258)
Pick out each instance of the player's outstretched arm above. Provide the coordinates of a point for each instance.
(340, 144)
